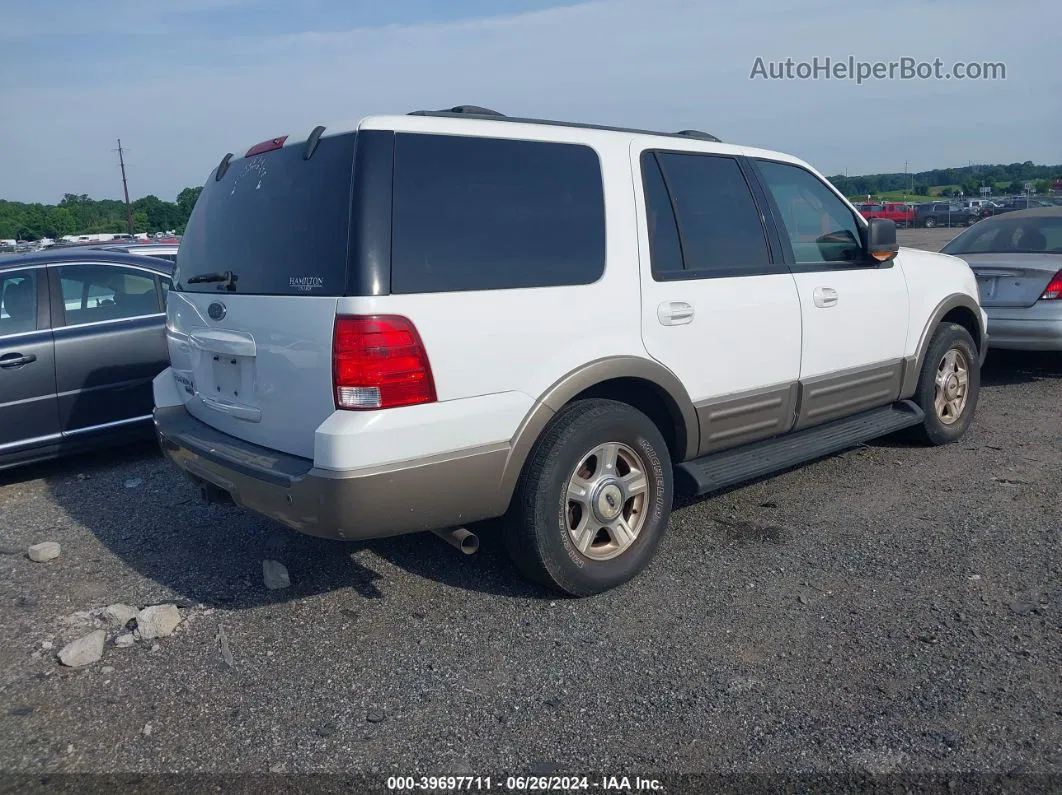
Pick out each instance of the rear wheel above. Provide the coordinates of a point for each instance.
(949, 385)
(593, 500)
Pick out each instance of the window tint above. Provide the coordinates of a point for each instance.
(92, 293)
(820, 226)
(665, 253)
(718, 222)
(277, 221)
(18, 301)
(479, 214)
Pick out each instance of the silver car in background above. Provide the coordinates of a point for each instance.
(1017, 258)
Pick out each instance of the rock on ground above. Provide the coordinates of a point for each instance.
(83, 651)
(43, 552)
(125, 640)
(157, 621)
(275, 575)
(119, 615)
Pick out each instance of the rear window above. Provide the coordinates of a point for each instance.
(278, 222)
(1042, 235)
(487, 214)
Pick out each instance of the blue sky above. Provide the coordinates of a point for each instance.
(184, 81)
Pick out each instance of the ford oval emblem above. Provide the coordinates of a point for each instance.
(216, 310)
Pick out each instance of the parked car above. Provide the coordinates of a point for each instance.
(505, 318)
(933, 214)
(1017, 258)
(166, 251)
(82, 335)
(897, 212)
(1012, 205)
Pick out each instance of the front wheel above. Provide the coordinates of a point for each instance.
(949, 385)
(593, 501)
(930, 223)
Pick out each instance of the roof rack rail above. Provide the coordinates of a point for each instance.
(467, 110)
(475, 111)
(698, 134)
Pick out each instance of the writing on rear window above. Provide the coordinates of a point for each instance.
(305, 284)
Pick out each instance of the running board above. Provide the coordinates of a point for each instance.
(731, 467)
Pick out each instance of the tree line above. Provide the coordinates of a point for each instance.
(969, 179)
(80, 215)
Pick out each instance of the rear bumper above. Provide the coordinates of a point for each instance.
(427, 494)
(1025, 334)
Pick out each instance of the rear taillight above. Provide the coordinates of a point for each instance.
(1054, 289)
(379, 362)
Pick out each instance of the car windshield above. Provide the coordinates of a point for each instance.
(1036, 235)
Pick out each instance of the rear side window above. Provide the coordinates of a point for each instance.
(277, 221)
(718, 231)
(488, 214)
(95, 293)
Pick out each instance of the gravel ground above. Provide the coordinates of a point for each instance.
(892, 609)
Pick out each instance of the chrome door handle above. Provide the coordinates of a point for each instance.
(674, 313)
(825, 296)
(17, 359)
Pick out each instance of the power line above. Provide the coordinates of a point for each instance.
(125, 188)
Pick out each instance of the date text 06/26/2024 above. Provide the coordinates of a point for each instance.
(620, 784)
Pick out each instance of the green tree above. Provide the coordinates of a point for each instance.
(186, 200)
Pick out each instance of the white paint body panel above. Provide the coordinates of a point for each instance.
(866, 326)
(282, 346)
(931, 278)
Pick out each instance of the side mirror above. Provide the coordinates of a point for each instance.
(881, 239)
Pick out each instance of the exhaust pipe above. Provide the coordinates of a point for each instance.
(212, 495)
(459, 538)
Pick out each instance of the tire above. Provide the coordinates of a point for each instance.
(930, 222)
(545, 529)
(949, 342)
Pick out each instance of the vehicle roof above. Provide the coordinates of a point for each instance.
(84, 254)
(137, 246)
(499, 126)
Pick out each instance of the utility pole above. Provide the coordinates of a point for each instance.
(125, 188)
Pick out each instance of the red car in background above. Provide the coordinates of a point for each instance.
(898, 212)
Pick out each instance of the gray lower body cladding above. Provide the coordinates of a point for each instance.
(385, 501)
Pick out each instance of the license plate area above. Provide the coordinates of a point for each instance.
(229, 372)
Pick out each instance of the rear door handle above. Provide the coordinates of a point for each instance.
(17, 359)
(674, 313)
(825, 296)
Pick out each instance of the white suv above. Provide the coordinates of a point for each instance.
(422, 321)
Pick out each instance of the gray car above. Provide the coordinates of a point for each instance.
(1017, 258)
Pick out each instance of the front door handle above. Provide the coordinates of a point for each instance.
(674, 313)
(17, 359)
(825, 296)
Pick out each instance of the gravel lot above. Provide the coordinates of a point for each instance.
(894, 608)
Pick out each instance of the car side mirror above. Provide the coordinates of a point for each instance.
(881, 239)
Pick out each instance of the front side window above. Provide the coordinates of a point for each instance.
(489, 214)
(821, 228)
(98, 292)
(18, 301)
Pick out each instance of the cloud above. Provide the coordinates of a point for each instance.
(664, 64)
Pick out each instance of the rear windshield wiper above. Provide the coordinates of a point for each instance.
(228, 279)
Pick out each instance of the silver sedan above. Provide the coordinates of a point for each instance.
(1017, 258)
